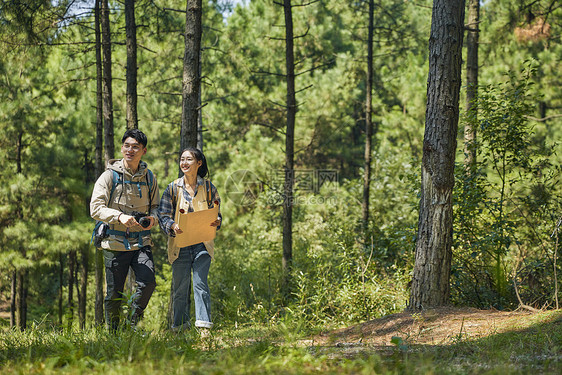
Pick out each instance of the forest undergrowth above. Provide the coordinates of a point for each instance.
(441, 341)
(350, 280)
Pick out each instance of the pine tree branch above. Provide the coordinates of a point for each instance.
(544, 118)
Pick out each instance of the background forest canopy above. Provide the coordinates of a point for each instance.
(506, 208)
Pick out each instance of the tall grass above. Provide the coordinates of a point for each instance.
(533, 346)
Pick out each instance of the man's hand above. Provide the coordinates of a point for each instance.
(152, 222)
(128, 220)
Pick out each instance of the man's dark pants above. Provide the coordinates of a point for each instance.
(117, 265)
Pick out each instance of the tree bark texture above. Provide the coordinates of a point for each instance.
(60, 292)
(99, 93)
(471, 80)
(82, 287)
(71, 281)
(13, 300)
(21, 299)
(430, 284)
(200, 116)
(368, 121)
(289, 148)
(131, 75)
(191, 74)
(107, 81)
(98, 304)
(21, 274)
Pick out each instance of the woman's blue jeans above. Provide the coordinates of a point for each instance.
(196, 259)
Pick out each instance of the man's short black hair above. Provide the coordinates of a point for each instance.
(136, 134)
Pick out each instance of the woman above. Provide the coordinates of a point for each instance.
(187, 194)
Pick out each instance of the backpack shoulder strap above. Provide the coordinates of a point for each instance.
(117, 177)
(149, 183)
(174, 191)
(149, 179)
(208, 190)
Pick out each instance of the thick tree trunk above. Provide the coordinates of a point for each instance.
(98, 305)
(368, 122)
(191, 84)
(107, 81)
(430, 284)
(471, 81)
(131, 76)
(289, 149)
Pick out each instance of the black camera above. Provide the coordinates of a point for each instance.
(141, 218)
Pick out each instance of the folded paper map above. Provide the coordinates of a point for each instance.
(197, 227)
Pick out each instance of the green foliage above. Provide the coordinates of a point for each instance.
(40, 188)
(505, 193)
(339, 280)
(505, 211)
(335, 279)
(328, 286)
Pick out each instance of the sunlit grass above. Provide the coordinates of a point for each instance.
(533, 345)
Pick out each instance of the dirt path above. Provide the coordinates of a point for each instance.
(430, 327)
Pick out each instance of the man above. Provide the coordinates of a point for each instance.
(126, 191)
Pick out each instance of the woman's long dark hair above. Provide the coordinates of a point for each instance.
(203, 169)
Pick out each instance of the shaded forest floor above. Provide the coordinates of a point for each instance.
(455, 338)
(439, 326)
